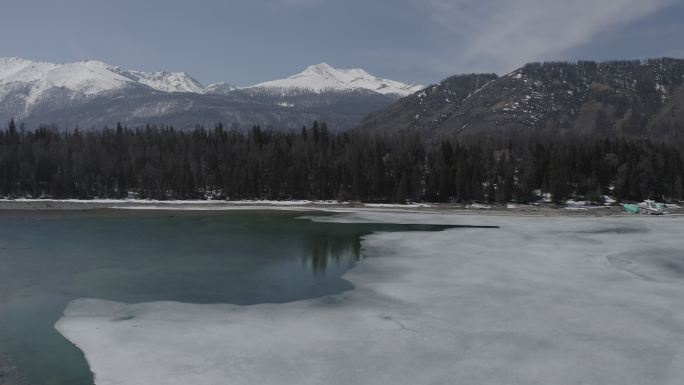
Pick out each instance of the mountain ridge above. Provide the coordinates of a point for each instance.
(318, 78)
(92, 93)
(612, 98)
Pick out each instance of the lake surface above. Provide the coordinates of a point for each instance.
(48, 258)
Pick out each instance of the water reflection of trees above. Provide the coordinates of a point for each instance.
(321, 250)
(343, 248)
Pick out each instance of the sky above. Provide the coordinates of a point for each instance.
(420, 41)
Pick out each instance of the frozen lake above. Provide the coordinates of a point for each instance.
(541, 300)
(268, 297)
(49, 258)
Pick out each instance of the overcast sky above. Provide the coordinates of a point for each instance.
(421, 41)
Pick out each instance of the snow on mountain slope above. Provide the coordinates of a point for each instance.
(95, 94)
(87, 78)
(220, 88)
(92, 77)
(323, 77)
(166, 81)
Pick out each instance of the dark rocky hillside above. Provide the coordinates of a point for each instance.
(631, 98)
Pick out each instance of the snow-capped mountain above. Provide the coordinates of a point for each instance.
(323, 77)
(91, 77)
(94, 94)
(37, 78)
(26, 84)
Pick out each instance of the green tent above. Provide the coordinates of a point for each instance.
(632, 209)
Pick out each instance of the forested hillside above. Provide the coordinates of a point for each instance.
(314, 163)
(618, 98)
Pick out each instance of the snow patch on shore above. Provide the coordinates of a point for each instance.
(180, 202)
(394, 206)
(539, 301)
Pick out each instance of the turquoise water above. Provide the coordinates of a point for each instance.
(48, 258)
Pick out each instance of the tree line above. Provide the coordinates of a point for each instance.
(314, 163)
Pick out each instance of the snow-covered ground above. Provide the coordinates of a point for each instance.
(541, 300)
(152, 202)
(393, 206)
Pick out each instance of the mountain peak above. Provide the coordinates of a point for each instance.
(84, 78)
(94, 62)
(321, 67)
(324, 77)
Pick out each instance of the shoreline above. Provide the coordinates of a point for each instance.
(541, 209)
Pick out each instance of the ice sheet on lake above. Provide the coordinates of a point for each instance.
(538, 301)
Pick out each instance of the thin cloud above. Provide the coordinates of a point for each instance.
(503, 34)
